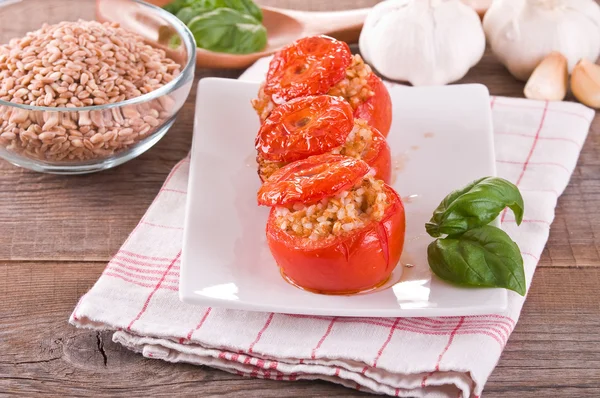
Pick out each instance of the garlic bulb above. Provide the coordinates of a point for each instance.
(424, 42)
(480, 6)
(522, 32)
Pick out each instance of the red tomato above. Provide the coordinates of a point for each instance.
(303, 127)
(314, 125)
(355, 261)
(311, 179)
(309, 66)
(379, 157)
(377, 110)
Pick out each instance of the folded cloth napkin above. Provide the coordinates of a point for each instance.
(537, 146)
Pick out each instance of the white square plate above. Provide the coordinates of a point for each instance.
(441, 139)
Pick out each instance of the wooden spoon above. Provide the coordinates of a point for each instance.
(283, 27)
(287, 26)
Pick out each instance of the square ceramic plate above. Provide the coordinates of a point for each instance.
(441, 139)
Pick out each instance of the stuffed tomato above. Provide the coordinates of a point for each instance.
(333, 228)
(315, 125)
(322, 65)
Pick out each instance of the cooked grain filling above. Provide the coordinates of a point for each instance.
(335, 216)
(357, 143)
(354, 88)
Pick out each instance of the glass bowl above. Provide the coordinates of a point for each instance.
(68, 140)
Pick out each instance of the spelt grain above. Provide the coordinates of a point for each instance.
(75, 64)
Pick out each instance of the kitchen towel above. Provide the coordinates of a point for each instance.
(537, 146)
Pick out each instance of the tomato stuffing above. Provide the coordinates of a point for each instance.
(368, 144)
(333, 228)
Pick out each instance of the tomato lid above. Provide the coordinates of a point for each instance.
(303, 127)
(309, 66)
(311, 179)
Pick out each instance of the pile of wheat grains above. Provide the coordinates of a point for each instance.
(73, 65)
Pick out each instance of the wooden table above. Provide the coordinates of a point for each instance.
(57, 233)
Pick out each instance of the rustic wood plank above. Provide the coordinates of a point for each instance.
(554, 350)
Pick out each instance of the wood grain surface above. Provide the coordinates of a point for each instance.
(57, 233)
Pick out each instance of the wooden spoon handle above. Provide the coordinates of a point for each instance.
(159, 3)
(343, 25)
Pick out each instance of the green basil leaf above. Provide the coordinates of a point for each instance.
(253, 9)
(198, 7)
(175, 6)
(186, 14)
(247, 7)
(475, 205)
(227, 30)
(481, 257)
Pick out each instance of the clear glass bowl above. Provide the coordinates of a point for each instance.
(93, 138)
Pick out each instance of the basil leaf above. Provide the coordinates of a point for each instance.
(482, 257)
(176, 5)
(475, 205)
(198, 7)
(247, 7)
(227, 30)
(186, 14)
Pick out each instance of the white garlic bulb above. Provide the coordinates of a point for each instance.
(424, 42)
(522, 32)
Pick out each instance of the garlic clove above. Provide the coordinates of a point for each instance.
(549, 79)
(585, 83)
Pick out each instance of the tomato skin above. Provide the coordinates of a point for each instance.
(314, 125)
(379, 157)
(312, 179)
(303, 127)
(377, 110)
(309, 66)
(353, 262)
